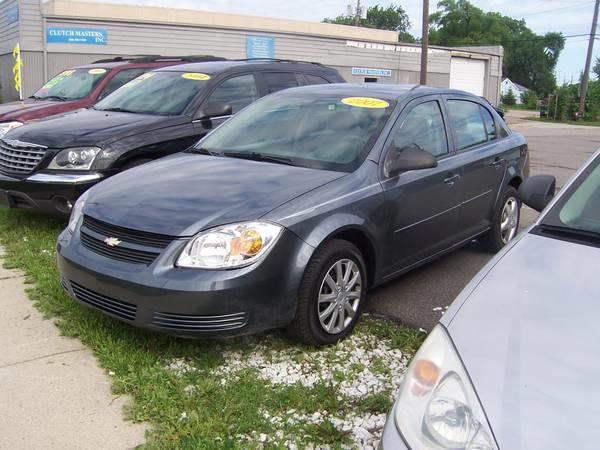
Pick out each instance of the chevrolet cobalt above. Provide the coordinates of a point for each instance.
(286, 214)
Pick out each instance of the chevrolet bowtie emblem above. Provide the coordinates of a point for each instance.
(112, 241)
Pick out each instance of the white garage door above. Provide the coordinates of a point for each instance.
(467, 75)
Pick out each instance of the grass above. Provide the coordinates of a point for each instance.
(589, 123)
(521, 107)
(190, 409)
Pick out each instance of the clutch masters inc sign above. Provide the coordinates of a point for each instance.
(93, 36)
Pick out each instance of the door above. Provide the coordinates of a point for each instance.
(237, 91)
(422, 205)
(467, 75)
(476, 147)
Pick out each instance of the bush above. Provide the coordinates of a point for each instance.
(567, 104)
(509, 99)
(529, 99)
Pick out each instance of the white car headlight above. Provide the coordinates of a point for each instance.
(438, 408)
(229, 246)
(77, 211)
(7, 126)
(80, 158)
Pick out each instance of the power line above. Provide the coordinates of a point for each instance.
(557, 9)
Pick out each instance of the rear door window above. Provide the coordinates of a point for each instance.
(120, 78)
(237, 92)
(466, 121)
(277, 81)
(314, 79)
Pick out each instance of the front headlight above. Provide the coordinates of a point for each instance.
(229, 246)
(80, 158)
(77, 211)
(7, 126)
(437, 407)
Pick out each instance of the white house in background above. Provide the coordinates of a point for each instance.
(517, 89)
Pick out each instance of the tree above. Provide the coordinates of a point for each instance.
(529, 99)
(392, 18)
(529, 59)
(509, 99)
(596, 68)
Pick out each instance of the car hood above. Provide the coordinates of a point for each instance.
(529, 337)
(28, 108)
(89, 127)
(185, 193)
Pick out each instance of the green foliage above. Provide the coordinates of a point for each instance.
(565, 107)
(529, 59)
(509, 99)
(596, 68)
(529, 99)
(392, 18)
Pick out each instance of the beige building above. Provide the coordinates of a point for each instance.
(59, 34)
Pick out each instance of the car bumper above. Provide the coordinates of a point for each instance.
(187, 302)
(391, 438)
(51, 193)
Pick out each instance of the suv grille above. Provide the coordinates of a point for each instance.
(136, 247)
(20, 157)
(186, 322)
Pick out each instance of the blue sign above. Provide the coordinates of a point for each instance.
(364, 71)
(12, 14)
(260, 47)
(76, 36)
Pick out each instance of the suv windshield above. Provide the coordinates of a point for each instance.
(71, 84)
(329, 132)
(579, 209)
(163, 93)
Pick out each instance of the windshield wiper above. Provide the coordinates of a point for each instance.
(203, 151)
(117, 110)
(54, 97)
(569, 231)
(256, 156)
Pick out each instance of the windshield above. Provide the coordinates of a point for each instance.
(71, 84)
(163, 93)
(330, 132)
(579, 208)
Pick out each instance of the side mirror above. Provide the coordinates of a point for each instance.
(215, 109)
(408, 158)
(537, 191)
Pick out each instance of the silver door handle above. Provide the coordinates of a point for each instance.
(452, 179)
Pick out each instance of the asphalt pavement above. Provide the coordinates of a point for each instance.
(419, 298)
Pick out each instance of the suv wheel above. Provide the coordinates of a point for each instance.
(506, 221)
(331, 295)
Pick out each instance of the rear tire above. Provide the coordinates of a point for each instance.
(505, 222)
(332, 294)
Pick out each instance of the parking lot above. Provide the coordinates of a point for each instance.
(419, 298)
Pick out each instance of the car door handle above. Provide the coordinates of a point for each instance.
(452, 179)
(497, 162)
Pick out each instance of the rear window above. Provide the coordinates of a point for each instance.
(71, 84)
(314, 79)
(277, 81)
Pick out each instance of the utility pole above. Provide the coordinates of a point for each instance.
(588, 62)
(425, 42)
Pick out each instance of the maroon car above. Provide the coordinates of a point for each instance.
(82, 86)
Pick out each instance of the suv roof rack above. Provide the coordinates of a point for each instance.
(158, 58)
(279, 60)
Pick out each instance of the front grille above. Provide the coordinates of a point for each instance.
(186, 322)
(136, 247)
(18, 157)
(104, 303)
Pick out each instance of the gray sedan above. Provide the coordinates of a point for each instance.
(513, 363)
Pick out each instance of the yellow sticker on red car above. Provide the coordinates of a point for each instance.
(365, 102)
(196, 76)
(96, 71)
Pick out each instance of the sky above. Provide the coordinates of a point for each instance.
(568, 16)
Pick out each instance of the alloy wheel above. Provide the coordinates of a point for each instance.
(339, 296)
(509, 220)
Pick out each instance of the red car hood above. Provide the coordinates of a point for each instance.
(29, 109)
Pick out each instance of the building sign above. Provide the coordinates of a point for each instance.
(12, 14)
(364, 71)
(77, 36)
(260, 47)
(393, 48)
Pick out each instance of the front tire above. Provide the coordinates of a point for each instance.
(331, 295)
(505, 223)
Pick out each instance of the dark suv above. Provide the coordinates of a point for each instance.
(82, 86)
(48, 164)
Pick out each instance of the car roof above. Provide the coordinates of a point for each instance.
(221, 66)
(387, 91)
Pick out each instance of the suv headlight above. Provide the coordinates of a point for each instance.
(80, 158)
(7, 126)
(229, 246)
(437, 407)
(77, 211)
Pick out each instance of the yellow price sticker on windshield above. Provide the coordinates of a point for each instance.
(365, 102)
(196, 76)
(96, 71)
(66, 73)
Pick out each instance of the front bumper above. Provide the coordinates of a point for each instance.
(51, 193)
(187, 302)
